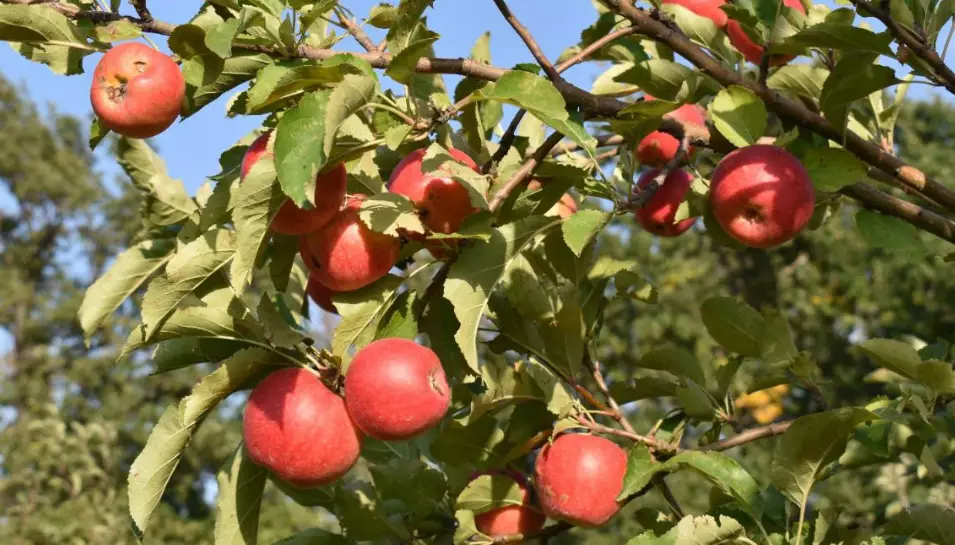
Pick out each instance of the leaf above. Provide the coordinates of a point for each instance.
(277, 328)
(890, 233)
(695, 401)
(477, 272)
(117, 31)
(675, 361)
(44, 35)
(191, 265)
(408, 17)
(238, 499)
(831, 169)
(257, 201)
(382, 16)
(440, 324)
(736, 326)
(282, 81)
(854, 77)
(776, 343)
(704, 530)
(896, 356)
(489, 492)
(801, 79)
(306, 133)
(236, 70)
(400, 320)
(126, 275)
(219, 38)
(402, 67)
(834, 35)
(315, 536)
(360, 311)
(580, 228)
(928, 522)
(152, 469)
(474, 443)
(555, 394)
(668, 80)
(361, 514)
(640, 470)
(529, 91)
(811, 443)
(739, 115)
(200, 65)
(725, 473)
(391, 214)
(642, 388)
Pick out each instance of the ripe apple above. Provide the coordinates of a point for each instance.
(564, 208)
(511, 519)
(442, 203)
(330, 189)
(321, 295)
(346, 255)
(704, 8)
(579, 477)
(137, 91)
(395, 389)
(754, 52)
(657, 214)
(298, 429)
(761, 195)
(657, 148)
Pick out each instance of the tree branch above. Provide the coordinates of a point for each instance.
(749, 436)
(529, 40)
(643, 196)
(73, 12)
(650, 442)
(141, 9)
(356, 31)
(525, 171)
(943, 74)
(786, 108)
(907, 211)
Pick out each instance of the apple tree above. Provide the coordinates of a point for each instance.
(463, 397)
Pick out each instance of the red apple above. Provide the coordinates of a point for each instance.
(704, 8)
(298, 429)
(511, 519)
(754, 52)
(321, 295)
(395, 389)
(564, 208)
(579, 477)
(657, 214)
(137, 91)
(442, 203)
(346, 255)
(658, 148)
(330, 189)
(761, 195)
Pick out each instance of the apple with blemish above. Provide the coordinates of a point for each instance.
(330, 187)
(395, 389)
(299, 429)
(658, 213)
(752, 51)
(441, 202)
(658, 148)
(762, 196)
(346, 254)
(137, 91)
(578, 478)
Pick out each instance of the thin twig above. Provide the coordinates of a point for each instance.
(506, 142)
(356, 31)
(643, 196)
(525, 171)
(529, 40)
(594, 47)
(141, 9)
(650, 442)
(749, 436)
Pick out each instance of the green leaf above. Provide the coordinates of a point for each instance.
(391, 214)
(360, 311)
(257, 201)
(399, 321)
(235, 71)
(890, 233)
(835, 35)
(219, 38)
(809, 445)
(152, 469)
(306, 133)
(474, 443)
(853, 78)
(402, 66)
(417, 485)
(928, 522)
(238, 499)
(383, 16)
(440, 324)
(736, 326)
(701, 30)
(315, 536)
(126, 275)
(362, 514)
(640, 469)
(668, 80)
(642, 388)
(44, 35)
(192, 265)
(278, 330)
(200, 65)
(401, 31)
(725, 473)
(582, 227)
(896, 356)
(800, 79)
(178, 353)
(282, 81)
(166, 202)
(118, 31)
(477, 272)
(554, 393)
(529, 91)
(489, 492)
(830, 169)
(675, 361)
(695, 401)
(776, 343)
(704, 530)
(739, 115)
